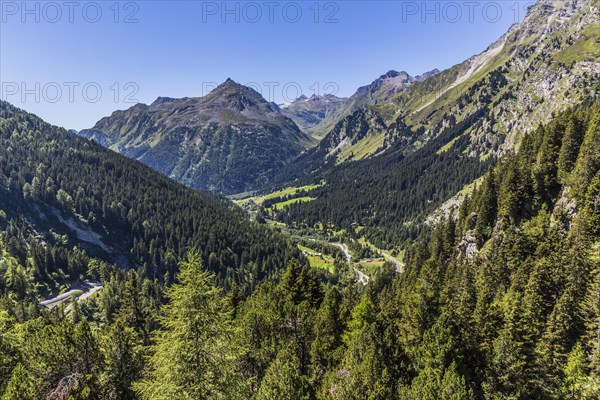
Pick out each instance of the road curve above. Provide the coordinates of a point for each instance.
(362, 278)
(88, 288)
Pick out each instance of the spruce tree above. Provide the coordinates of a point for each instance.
(123, 360)
(487, 208)
(283, 379)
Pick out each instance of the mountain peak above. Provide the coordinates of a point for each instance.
(230, 140)
(162, 100)
(232, 86)
(393, 74)
(229, 83)
(236, 95)
(390, 83)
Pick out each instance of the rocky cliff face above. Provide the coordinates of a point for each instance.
(230, 140)
(546, 63)
(386, 86)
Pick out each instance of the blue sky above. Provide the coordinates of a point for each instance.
(75, 62)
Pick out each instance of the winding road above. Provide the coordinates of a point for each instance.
(362, 278)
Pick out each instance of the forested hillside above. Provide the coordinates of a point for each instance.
(428, 238)
(386, 197)
(59, 191)
(501, 302)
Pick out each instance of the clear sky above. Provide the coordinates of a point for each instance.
(74, 62)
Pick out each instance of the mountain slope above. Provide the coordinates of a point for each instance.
(545, 63)
(442, 131)
(65, 190)
(230, 140)
(522, 78)
(517, 271)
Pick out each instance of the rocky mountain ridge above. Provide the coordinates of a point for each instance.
(544, 64)
(318, 114)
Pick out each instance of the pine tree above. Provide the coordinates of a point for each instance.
(436, 366)
(588, 161)
(513, 191)
(300, 283)
(328, 331)
(454, 385)
(546, 169)
(590, 215)
(259, 322)
(364, 369)
(123, 354)
(233, 299)
(292, 282)
(556, 342)
(190, 357)
(591, 311)
(132, 311)
(575, 374)
(487, 208)
(314, 291)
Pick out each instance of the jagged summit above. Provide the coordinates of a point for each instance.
(318, 114)
(231, 84)
(544, 64)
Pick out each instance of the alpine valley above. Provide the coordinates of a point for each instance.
(428, 237)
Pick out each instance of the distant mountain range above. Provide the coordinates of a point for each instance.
(318, 115)
(230, 140)
(544, 64)
(312, 114)
(233, 140)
